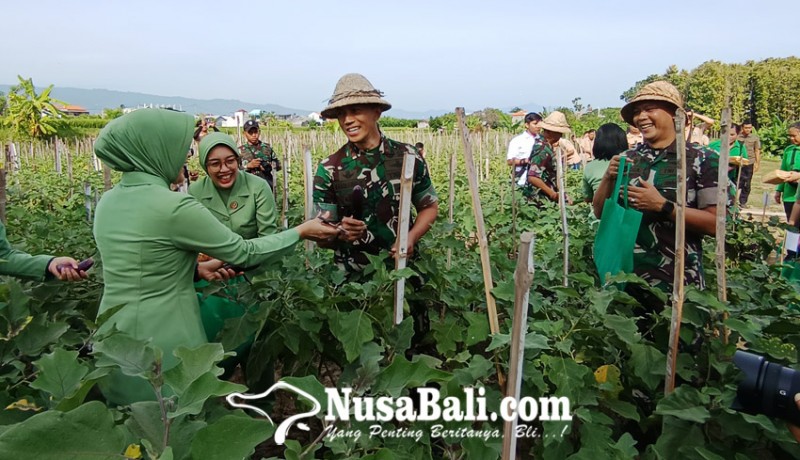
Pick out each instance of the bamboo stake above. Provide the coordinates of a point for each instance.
(451, 200)
(285, 207)
(680, 249)
(106, 178)
(722, 211)
(494, 323)
(401, 255)
(764, 204)
(562, 206)
(523, 278)
(3, 187)
(58, 156)
(309, 189)
(87, 200)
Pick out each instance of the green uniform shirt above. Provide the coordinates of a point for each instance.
(378, 172)
(264, 152)
(592, 176)
(737, 149)
(790, 162)
(542, 165)
(18, 263)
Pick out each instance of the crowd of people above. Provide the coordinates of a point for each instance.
(159, 247)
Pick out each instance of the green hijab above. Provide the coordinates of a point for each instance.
(153, 141)
(212, 140)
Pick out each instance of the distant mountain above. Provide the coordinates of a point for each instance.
(409, 115)
(95, 100)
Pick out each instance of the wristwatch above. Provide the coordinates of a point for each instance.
(666, 210)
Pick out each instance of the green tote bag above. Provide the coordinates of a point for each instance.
(616, 234)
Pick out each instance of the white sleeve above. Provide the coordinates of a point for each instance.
(513, 148)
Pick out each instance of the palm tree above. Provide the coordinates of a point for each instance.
(30, 114)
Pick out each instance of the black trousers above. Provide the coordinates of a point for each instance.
(745, 179)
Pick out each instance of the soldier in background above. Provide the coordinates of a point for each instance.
(258, 157)
(752, 144)
(372, 162)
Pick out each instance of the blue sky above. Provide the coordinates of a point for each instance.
(422, 54)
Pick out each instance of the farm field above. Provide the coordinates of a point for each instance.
(583, 340)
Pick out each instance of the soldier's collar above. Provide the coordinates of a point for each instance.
(381, 148)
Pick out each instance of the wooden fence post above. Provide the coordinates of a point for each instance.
(87, 201)
(680, 249)
(494, 324)
(309, 189)
(401, 254)
(722, 210)
(57, 144)
(451, 200)
(285, 204)
(562, 206)
(523, 278)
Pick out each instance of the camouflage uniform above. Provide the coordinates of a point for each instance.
(378, 173)
(542, 165)
(261, 151)
(653, 257)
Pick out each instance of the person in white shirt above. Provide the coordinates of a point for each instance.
(520, 147)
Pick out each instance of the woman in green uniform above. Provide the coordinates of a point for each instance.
(149, 238)
(243, 203)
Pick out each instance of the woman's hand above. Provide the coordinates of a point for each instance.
(318, 231)
(778, 197)
(212, 270)
(66, 269)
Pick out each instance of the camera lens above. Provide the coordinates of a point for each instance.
(766, 388)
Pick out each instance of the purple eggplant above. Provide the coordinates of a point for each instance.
(82, 265)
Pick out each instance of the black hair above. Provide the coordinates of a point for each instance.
(590, 131)
(419, 145)
(532, 116)
(610, 140)
(736, 127)
(795, 126)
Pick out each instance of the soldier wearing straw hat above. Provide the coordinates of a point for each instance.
(654, 172)
(372, 162)
(542, 169)
(359, 186)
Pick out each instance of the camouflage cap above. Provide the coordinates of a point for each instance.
(352, 89)
(655, 91)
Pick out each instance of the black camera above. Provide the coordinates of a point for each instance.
(767, 388)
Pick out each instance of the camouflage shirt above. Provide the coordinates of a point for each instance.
(543, 164)
(378, 173)
(654, 254)
(262, 151)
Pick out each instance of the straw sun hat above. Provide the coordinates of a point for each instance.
(555, 122)
(352, 89)
(655, 91)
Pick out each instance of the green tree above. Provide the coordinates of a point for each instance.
(30, 114)
(112, 113)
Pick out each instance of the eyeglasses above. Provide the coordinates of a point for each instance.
(215, 165)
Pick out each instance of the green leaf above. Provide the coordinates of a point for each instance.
(399, 337)
(534, 341)
(684, 403)
(312, 386)
(626, 446)
(382, 454)
(749, 331)
(60, 374)
(478, 449)
(624, 328)
(145, 423)
(447, 334)
(38, 335)
(648, 364)
(86, 432)
(499, 340)
(231, 437)
(352, 329)
(707, 454)
(504, 291)
(194, 363)
(404, 374)
(204, 387)
(601, 300)
(478, 329)
(623, 408)
(134, 357)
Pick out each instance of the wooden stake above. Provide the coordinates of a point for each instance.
(451, 201)
(722, 214)
(401, 255)
(3, 186)
(87, 200)
(765, 203)
(106, 178)
(562, 206)
(58, 156)
(680, 249)
(309, 189)
(494, 323)
(523, 278)
(285, 206)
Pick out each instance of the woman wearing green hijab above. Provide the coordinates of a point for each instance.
(149, 238)
(244, 203)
